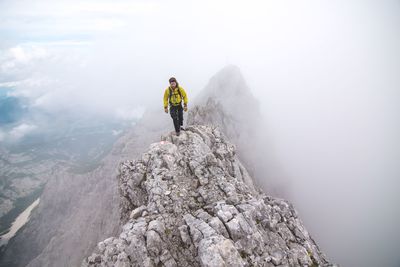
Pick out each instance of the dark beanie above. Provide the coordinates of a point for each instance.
(172, 79)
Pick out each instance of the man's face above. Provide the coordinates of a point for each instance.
(173, 85)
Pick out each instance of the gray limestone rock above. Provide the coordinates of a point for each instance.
(200, 211)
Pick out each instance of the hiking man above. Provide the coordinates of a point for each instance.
(174, 94)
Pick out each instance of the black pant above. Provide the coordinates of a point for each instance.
(177, 115)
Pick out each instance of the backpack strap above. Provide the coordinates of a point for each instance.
(171, 92)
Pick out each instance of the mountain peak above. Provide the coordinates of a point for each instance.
(188, 201)
(228, 85)
(229, 70)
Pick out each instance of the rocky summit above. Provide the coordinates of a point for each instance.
(189, 201)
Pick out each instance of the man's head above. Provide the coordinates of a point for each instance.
(173, 82)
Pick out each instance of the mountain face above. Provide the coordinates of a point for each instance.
(71, 146)
(189, 201)
(78, 210)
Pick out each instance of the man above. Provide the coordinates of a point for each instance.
(174, 94)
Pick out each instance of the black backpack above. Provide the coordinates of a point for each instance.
(171, 92)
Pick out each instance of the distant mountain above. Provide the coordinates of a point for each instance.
(227, 102)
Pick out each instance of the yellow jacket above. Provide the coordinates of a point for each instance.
(175, 97)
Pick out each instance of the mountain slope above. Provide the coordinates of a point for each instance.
(189, 201)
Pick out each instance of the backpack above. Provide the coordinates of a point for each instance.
(171, 92)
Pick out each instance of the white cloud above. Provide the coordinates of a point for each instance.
(48, 8)
(20, 131)
(53, 18)
(70, 43)
(116, 132)
(114, 8)
(11, 84)
(18, 57)
(27, 53)
(129, 113)
(23, 83)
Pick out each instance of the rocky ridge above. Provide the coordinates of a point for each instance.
(189, 201)
(77, 211)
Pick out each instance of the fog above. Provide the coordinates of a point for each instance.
(326, 74)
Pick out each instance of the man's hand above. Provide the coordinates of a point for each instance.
(166, 110)
(185, 108)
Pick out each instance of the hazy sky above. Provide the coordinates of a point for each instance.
(326, 74)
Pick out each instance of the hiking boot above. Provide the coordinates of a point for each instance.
(178, 133)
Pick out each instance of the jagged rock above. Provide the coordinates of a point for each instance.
(137, 212)
(201, 211)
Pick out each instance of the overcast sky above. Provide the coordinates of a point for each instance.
(325, 72)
